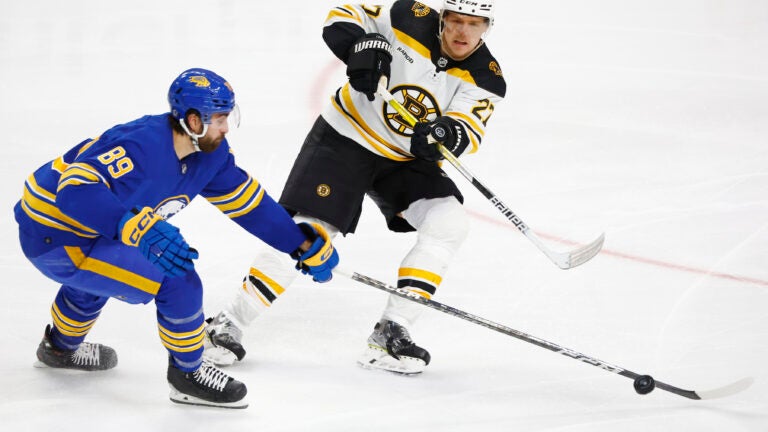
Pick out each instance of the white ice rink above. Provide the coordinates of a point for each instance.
(646, 120)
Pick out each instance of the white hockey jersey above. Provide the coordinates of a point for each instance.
(427, 83)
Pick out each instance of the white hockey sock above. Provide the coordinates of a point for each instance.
(442, 226)
(271, 273)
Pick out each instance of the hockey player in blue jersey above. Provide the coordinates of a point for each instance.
(94, 220)
(439, 67)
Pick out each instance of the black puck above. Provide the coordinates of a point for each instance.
(644, 384)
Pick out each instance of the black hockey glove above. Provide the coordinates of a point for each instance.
(368, 61)
(445, 130)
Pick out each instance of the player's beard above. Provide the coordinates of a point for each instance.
(208, 144)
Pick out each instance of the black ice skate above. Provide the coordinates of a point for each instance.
(208, 386)
(87, 357)
(390, 348)
(223, 343)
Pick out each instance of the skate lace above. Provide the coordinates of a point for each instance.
(210, 376)
(86, 354)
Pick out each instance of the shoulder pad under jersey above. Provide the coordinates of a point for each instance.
(485, 71)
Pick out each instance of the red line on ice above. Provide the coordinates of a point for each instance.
(628, 257)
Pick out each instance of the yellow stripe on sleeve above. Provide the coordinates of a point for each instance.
(32, 205)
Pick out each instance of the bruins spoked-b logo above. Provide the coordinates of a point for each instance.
(495, 68)
(416, 101)
(420, 9)
(323, 190)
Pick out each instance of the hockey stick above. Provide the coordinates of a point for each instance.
(564, 260)
(643, 384)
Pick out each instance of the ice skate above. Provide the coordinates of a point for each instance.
(223, 342)
(207, 386)
(390, 348)
(87, 357)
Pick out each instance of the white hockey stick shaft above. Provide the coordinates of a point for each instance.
(720, 392)
(564, 260)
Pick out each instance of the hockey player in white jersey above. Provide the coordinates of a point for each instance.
(438, 66)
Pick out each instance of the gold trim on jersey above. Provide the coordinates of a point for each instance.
(338, 12)
(39, 205)
(476, 133)
(111, 271)
(87, 146)
(476, 127)
(371, 137)
(417, 46)
(59, 165)
(79, 174)
(242, 200)
(462, 74)
(412, 43)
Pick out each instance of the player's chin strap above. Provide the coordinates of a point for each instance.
(192, 135)
(564, 260)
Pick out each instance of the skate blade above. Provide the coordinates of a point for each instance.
(185, 399)
(376, 358)
(40, 365)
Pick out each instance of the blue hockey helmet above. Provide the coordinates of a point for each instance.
(201, 90)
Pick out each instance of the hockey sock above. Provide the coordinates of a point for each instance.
(442, 226)
(180, 320)
(74, 313)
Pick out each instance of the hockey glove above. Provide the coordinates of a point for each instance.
(160, 242)
(444, 130)
(368, 61)
(320, 258)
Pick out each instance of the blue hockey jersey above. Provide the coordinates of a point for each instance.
(83, 194)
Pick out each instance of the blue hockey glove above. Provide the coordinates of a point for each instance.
(160, 242)
(321, 257)
(446, 131)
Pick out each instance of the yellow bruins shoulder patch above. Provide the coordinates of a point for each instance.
(420, 9)
(495, 68)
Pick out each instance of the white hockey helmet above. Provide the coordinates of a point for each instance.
(481, 8)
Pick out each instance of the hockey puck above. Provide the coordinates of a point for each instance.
(644, 384)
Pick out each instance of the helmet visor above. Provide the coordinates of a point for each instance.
(234, 117)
